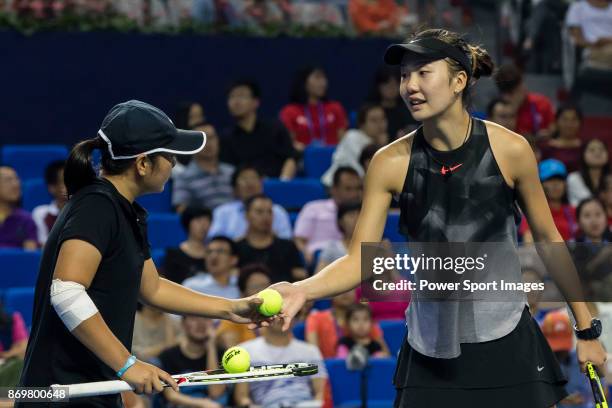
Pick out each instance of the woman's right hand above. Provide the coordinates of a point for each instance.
(294, 297)
(147, 379)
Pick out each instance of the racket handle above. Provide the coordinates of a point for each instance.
(96, 388)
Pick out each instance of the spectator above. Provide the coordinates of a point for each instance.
(260, 244)
(259, 13)
(188, 115)
(359, 327)
(606, 197)
(45, 215)
(346, 219)
(385, 92)
(230, 220)
(553, 175)
(379, 17)
(566, 143)
(17, 228)
(154, 331)
(252, 279)
(221, 259)
(254, 141)
(325, 327)
(372, 128)
(279, 347)
(534, 111)
(196, 351)
(310, 116)
(190, 256)
(309, 13)
(205, 181)
(592, 221)
(588, 180)
(501, 112)
(543, 38)
(316, 222)
(13, 342)
(590, 25)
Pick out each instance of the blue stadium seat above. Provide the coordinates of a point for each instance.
(19, 267)
(322, 304)
(393, 331)
(165, 230)
(30, 160)
(35, 193)
(20, 300)
(295, 193)
(158, 256)
(299, 331)
(391, 229)
(158, 202)
(317, 160)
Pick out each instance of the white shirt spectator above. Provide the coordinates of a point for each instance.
(206, 284)
(577, 189)
(230, 220)
(347, 154)
(595, 22)
(44, 217)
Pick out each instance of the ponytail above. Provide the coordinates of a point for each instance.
(79, 171)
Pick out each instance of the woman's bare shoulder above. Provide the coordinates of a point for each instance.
(392, 160)
(506, 141)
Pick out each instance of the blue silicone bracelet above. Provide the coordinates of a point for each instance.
(130, 362)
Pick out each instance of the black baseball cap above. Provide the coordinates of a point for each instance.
(133, 128)
(428, 47)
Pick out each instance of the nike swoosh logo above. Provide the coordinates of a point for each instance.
(456, 167)
(540, 368)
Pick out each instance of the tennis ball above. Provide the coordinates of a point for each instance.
(272, 302)
(236, 360)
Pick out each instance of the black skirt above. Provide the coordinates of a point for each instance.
(517, 370)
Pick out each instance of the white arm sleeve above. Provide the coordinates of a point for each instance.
(71, 302)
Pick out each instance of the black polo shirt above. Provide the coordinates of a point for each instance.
(267, 147)
(101, 216)
(281, 257)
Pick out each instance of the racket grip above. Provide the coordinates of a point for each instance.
(96, 388)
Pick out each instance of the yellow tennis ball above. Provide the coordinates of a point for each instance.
(236, 360)
(272, 302)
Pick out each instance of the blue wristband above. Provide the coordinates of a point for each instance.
(130, 362)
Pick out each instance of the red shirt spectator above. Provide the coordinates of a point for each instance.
(534, 114)
(319, 123)
(374, 16)
(565, 221)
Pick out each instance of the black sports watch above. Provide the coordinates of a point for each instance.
(591, 333)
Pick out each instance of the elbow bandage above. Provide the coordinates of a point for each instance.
(71, 302)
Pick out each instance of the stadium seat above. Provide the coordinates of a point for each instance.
(35, 193)
(317, 160)
(322, 304)
(391, 229)
(393, 331)
(19, 267)
(165, 230)
(158, 202)
(158, 256)
(299, 331)
(295, 193)
(29, 161)
(20, 300)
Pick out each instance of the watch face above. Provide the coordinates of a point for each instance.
(596, 326)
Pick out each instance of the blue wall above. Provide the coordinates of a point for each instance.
(57, 87)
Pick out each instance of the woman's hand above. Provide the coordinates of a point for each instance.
(294, 298)
(593, 351)
(147, 379)
(245, 310)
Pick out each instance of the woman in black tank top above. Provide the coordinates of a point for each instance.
(458, 181)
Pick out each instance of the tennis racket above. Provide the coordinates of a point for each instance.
(598, 393)
(199, 378)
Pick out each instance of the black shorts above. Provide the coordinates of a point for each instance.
(517, 370)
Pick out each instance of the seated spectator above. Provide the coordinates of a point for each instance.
(263, 144)
(45, 215)
(325, 327)
(587, 181)
(259, 13)
(13, 342)
(230, 220)
(189, 114)
(534, 111)
(553, 175)
(190, 256)
(372, 128)
(17, 228)
(311, 117)
(566, 144)
(205, 181)
(606, 197)
(260, 244)
(221, 259)
(316, 222)
(196, 351)
(279, 347)
(309, 13)
(154, 331)
(253, 278)
(379, 17)
(385, 92)
(501, 112)
(346, 219)
(590, 25)
(359, 327)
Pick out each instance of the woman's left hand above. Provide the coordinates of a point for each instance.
(245, 311)
(591, 351)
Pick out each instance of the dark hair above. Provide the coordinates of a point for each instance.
(383, 75)
(181, 115)
(242, 169)
(492, 104)
(508, 77)
(340, 171)
(362, 113)
(367, 153)
(584, 169)
(194, 212)
(249, 202)
(227, 240)
(298, 92)
(250, 269)
(569, 107)
(248, 83)
(345, 208)
(52, 171)
(357, 307)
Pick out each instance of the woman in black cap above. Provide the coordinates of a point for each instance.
(461, 183)
(97, 264)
